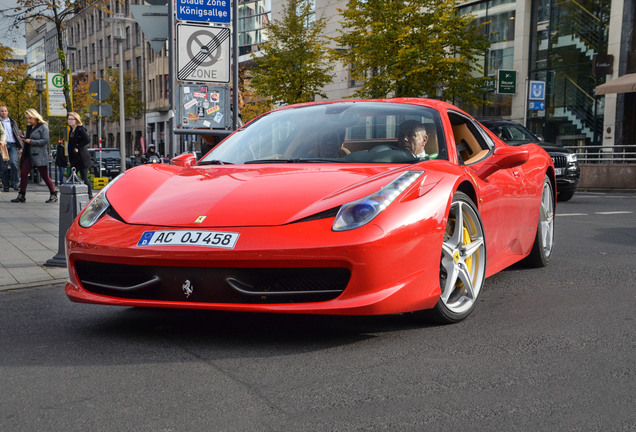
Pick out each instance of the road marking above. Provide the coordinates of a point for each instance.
(596, 213)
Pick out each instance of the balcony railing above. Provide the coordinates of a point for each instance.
(604, 154)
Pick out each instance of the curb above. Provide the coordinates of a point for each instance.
(37, 284)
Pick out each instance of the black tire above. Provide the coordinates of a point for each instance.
(462, 264)
(544, 240)
(565, 196)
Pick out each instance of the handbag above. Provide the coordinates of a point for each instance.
(4, 151)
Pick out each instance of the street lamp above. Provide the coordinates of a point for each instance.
(40, 90)
(119, 34)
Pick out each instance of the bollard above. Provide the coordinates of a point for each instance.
(73, 198)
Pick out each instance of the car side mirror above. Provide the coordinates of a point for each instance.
(540, 137)
(503, 158)
(184, 160)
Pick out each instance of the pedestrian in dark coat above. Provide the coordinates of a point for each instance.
(35, 154)
(61, 162)
(78, 141)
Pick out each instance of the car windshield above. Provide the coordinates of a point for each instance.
(107, 154)
(513, 134)
(343, 132)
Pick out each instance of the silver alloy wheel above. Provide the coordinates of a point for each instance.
(463, 263)
(546, 219)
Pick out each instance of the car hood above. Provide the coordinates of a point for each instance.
(550, 148)
(241, 195)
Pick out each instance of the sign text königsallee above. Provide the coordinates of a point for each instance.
(214, 11)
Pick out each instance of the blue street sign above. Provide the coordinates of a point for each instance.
(537, 90)
(536, 105)
(212, 11)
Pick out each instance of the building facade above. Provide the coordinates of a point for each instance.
(555, 41)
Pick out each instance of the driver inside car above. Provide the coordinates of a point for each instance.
(412, 136)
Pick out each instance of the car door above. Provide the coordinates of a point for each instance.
(502, 194)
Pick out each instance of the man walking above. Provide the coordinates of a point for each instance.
(13, 146)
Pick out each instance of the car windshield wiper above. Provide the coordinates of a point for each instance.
(295, 160)
(215, 162)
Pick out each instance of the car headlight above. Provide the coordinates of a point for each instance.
(97, 207)
(571, 158)
(360, 212)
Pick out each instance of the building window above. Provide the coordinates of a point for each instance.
(498, 18)
(139, 68)
(253, 17)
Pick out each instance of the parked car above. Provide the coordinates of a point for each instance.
(331, 214)
(566, 166)
(110, 162)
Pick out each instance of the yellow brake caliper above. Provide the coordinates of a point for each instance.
(469, 260)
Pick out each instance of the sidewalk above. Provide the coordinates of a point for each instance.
(28, 238)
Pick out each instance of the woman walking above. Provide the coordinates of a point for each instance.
(35, 154)
(78, 141)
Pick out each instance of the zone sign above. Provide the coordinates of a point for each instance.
(203, 53)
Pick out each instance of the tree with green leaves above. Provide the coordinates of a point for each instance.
(56, 12)
(18, 91)
(295, 64)
(412, 48)
(133, 104)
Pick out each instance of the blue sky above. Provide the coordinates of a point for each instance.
(11, 37)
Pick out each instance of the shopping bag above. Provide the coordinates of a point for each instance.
(4, 151)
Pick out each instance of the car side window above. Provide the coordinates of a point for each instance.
(471, 143)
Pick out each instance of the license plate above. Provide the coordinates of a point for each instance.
(218, 239)
(559, 171)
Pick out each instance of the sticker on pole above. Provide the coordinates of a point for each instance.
(203, 53)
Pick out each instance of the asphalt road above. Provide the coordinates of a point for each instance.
(551, 349)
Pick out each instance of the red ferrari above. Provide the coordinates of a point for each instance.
(351, 207)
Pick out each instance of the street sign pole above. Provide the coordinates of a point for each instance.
(525, 110)
(99, 90)
(171, 75)
(99, 137)
(235, 66)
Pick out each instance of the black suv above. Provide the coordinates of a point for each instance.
(567, 168)
(110, 161)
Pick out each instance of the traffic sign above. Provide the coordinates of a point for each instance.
(536, 105)
(537, 90)
(213, 11)
(506, 81)
(104, 110)
(99, 89)
(203, 53)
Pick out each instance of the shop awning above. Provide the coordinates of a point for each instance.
(624, 84)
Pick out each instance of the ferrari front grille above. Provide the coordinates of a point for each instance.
(213, 285)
